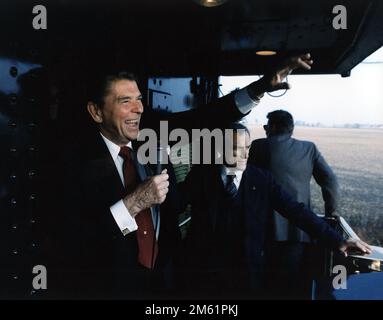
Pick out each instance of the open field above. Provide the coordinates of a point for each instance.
(356, 156)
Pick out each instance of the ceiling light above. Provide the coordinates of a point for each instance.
(210, 3)
(266, 53)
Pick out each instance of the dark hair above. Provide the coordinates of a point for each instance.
(236, 126)
(99, 86)
(280, 121)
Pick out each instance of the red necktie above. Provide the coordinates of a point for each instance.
(147, 245)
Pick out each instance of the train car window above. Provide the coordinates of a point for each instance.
(344, 118)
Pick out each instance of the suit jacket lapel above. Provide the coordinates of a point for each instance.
(248, 190)
(102, 169)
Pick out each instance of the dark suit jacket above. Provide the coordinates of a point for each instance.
(86, 253)
(293, 162)
(221, 239)
(90, 256)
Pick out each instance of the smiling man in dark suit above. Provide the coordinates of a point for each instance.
(107, 238)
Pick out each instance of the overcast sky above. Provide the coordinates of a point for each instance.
(328, 99)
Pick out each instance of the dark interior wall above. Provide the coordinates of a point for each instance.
(43, 77)
(24, 119)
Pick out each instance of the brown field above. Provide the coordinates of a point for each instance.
(356, 156)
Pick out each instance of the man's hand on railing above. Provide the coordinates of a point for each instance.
(353, 246)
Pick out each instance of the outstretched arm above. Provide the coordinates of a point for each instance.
(233, 106)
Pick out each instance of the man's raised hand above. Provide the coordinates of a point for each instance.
(275, 79)
(150, 192)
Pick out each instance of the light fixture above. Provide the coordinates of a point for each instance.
(266, 53)
(210, 3)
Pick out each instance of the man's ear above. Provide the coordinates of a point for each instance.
(94, 111)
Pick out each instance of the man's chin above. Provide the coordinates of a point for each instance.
(131, 136)
(241, 167)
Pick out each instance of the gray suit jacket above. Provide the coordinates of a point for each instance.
(293, 162)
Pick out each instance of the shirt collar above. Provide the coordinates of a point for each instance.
(113, 148)
(231, 171)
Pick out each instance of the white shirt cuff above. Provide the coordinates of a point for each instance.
(124, 220)
(243, 101)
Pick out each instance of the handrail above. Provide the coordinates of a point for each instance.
(347, 229)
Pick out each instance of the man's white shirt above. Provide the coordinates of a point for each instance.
(120, 212)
